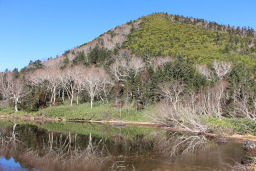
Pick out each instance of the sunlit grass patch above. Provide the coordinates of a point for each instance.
(98, 112)
(237, 125)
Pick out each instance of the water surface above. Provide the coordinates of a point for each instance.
(86, 146)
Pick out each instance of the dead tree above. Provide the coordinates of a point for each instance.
(95, 81)
(68, 83)
(222, 68)
(126, 67)
(12, 88)
(172, 92)
(205, 71)
(50, 78)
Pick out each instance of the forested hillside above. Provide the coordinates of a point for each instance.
(193, 66)
(200, 41)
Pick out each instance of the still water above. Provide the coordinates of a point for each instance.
(85, 146)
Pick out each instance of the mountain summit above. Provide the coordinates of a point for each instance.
(161, 35)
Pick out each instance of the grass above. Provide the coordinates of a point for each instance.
(104, 112)
(10, 111)
(83, 111)
(236, 125)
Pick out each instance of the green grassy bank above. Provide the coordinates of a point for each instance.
(83, 111)
(103, 112)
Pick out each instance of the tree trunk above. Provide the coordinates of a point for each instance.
(54, 95)
(72, 95)
(51, 99)
(16, 105)
(63, 96)
(77, 97)
(71, 99)
(91, 102)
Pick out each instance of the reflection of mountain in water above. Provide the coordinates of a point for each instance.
(103, 147)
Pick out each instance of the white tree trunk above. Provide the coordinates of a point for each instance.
(71, 95)
(91, 102)
(77, 100)
(71, 99)
(16, 105)
(54, 95)
(63, 96)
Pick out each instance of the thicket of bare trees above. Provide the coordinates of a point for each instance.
(48, 78)
(184, 110)
(95, 81)
(12, 88)
(72, 81)
(244, 103)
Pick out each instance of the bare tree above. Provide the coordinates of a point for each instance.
(68, 83)
(95, 81)
(121, 67)
(12, 88)
(205, 71)
(78, 73)
(245, 103)
(212, 99)
(160, 61)
(179, 110)
(49, 78)
(222, 68)
(184, 111)
(107, 83)
(172, 92)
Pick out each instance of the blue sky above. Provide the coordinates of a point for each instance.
(39, 29)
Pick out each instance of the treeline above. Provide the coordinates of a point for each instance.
(210, 25)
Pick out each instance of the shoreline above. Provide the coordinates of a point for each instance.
(231, 138)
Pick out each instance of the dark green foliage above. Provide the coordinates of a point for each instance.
(36, 65)
(242, 77)
(79, 58)
(66, 53)
(15, 73)
(144, 86)
(182, 70)
(84, 97)
(34, 100)
(65, 63)
(32, 66)
(242, 82)
(99, 55)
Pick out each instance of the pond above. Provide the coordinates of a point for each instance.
(87, 146)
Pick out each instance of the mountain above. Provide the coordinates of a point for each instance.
(163, 35)
(201, 66)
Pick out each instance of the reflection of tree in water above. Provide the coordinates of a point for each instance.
(196, 150)
(47, 150)
(36, 146)
(174, 144)
(56, 151)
